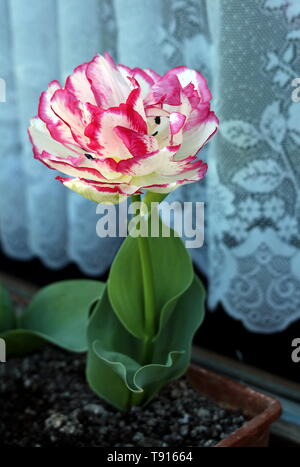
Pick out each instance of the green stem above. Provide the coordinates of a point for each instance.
(149, 300)
(153, 198)
(136, 198)
(146, 352)
(148, 284)
(145, 255)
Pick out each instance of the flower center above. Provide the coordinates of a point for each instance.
(159, 127)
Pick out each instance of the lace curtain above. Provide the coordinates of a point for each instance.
(249, 50)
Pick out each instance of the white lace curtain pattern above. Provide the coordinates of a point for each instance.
(250, 52)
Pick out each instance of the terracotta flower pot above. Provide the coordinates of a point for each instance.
(259, 409)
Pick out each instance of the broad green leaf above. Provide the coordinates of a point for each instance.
(7, 312)
(115, 367)
(21, 342)
(171, 275)
(190, 307)
(59, 312)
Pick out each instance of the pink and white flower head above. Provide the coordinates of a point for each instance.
(115, 131)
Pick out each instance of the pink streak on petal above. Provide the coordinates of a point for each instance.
(56, 127)
(170, 88)
(191, 76)
(143, 75)
(78, 84)
(177, 121)
(155, 76)
(110, 60)
(136, 143)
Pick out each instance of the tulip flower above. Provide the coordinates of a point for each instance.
(116, 131)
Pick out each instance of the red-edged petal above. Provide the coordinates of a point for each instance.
(195, 138)
(57, 128)
(167, 89)
(73, 113)
(177, 120)
(78, 84)
(110, 60)
(169, 186)
(42, 140)
(198, 115)
(187, 76)
(153, 74)
(99, 192)
(144, 79)
(136, 143)
(158, 163)
(110, 88)
(102, 129)
(135, 100)
(74, 170)
(70, 160)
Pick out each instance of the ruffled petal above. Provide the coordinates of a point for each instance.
(76, 115)
(187, 76)
(161, 163)
(153, 74)
(193, 176)
(70, 160)
(57, 128)
(109, 86)
(195, 172)
(78, 84)
(144, 79)
(102, 130)
(167, 90)
(99, 192)
(135, 100)
(42, 140)
(83, 168)
(198, 115)
(136, 143)
(195, 138)
(177, 122)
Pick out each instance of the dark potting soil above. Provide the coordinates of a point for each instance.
(45, 401)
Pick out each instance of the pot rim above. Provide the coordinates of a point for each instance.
(258, 423)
